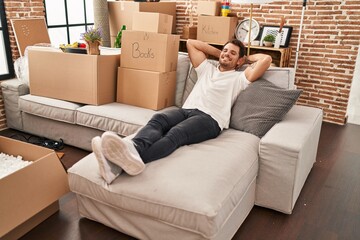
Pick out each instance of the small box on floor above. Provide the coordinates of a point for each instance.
(29, 195)
(149, 51)
(147, 89)
(216, 29)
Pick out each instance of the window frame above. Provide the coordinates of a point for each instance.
(67, 25)
(5, 35)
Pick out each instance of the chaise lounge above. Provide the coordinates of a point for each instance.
(201, 191)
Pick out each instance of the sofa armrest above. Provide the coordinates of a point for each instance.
(11, 91)
(286, 155)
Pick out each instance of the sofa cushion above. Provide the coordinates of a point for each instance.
(195, 188)
(281, 77)
(49, 108)
(260, 106)
(11, 91)
(117, 117)
(181, 76)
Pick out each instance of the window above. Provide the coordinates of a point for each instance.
(67, 19)
(6, 64)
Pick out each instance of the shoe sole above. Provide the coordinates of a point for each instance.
(96, 147)
(120, 155)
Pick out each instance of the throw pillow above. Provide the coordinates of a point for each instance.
(181, 76)
(260, 106)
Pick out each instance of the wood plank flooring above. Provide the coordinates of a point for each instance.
(328, 207)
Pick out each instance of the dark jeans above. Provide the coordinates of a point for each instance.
(167, 131)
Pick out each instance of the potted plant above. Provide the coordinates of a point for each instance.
(117, 43)
(268, 40)
(92, 37)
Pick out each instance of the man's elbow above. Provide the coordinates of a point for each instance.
(189, 42)
(267, 60)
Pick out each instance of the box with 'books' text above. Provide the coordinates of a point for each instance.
(149, 51)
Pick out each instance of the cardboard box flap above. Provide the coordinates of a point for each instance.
(29, 152)
(29, 32)
(104, 88)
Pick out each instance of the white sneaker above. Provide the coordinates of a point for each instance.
(122, 152)
(108, 170)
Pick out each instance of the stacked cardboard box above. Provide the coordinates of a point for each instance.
(147, 76)
(212, 27)
(121, 13)
(209, 8)
(216, 29)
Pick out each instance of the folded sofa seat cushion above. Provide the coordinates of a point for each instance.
(260, 106)
(51, 108)
(117, 117)
(200, 189)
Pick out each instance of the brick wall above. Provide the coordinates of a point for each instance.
(16, 9)
(2, 112)
(327, 55)
(328, 49)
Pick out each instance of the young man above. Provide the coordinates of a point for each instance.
(205, 113)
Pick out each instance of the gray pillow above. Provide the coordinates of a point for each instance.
(260, 106)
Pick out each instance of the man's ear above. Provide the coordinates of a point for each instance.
(241, 61)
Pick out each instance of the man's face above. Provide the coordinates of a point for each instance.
(229, 57)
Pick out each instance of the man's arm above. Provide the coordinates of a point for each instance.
(198, 51)
(259, 64)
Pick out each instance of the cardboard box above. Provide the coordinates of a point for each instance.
(152, 90)
(29, 195)
(217, 30)
(189, 32)
(210, 8)
(152, 22)
(121, 13)
(81, 78)
(149, 51)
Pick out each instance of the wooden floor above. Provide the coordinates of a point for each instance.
(328, 207)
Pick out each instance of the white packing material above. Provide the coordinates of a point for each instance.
(10, 164)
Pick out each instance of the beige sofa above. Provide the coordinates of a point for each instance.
(201, 191)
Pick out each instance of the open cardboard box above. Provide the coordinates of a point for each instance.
(81, 78)
(29, 195)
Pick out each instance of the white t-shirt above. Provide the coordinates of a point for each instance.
(215, 92)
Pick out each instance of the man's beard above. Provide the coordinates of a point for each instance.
(226, 65)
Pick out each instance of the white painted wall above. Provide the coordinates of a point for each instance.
(353, 110)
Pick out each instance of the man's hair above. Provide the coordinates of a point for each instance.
(239, 44)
